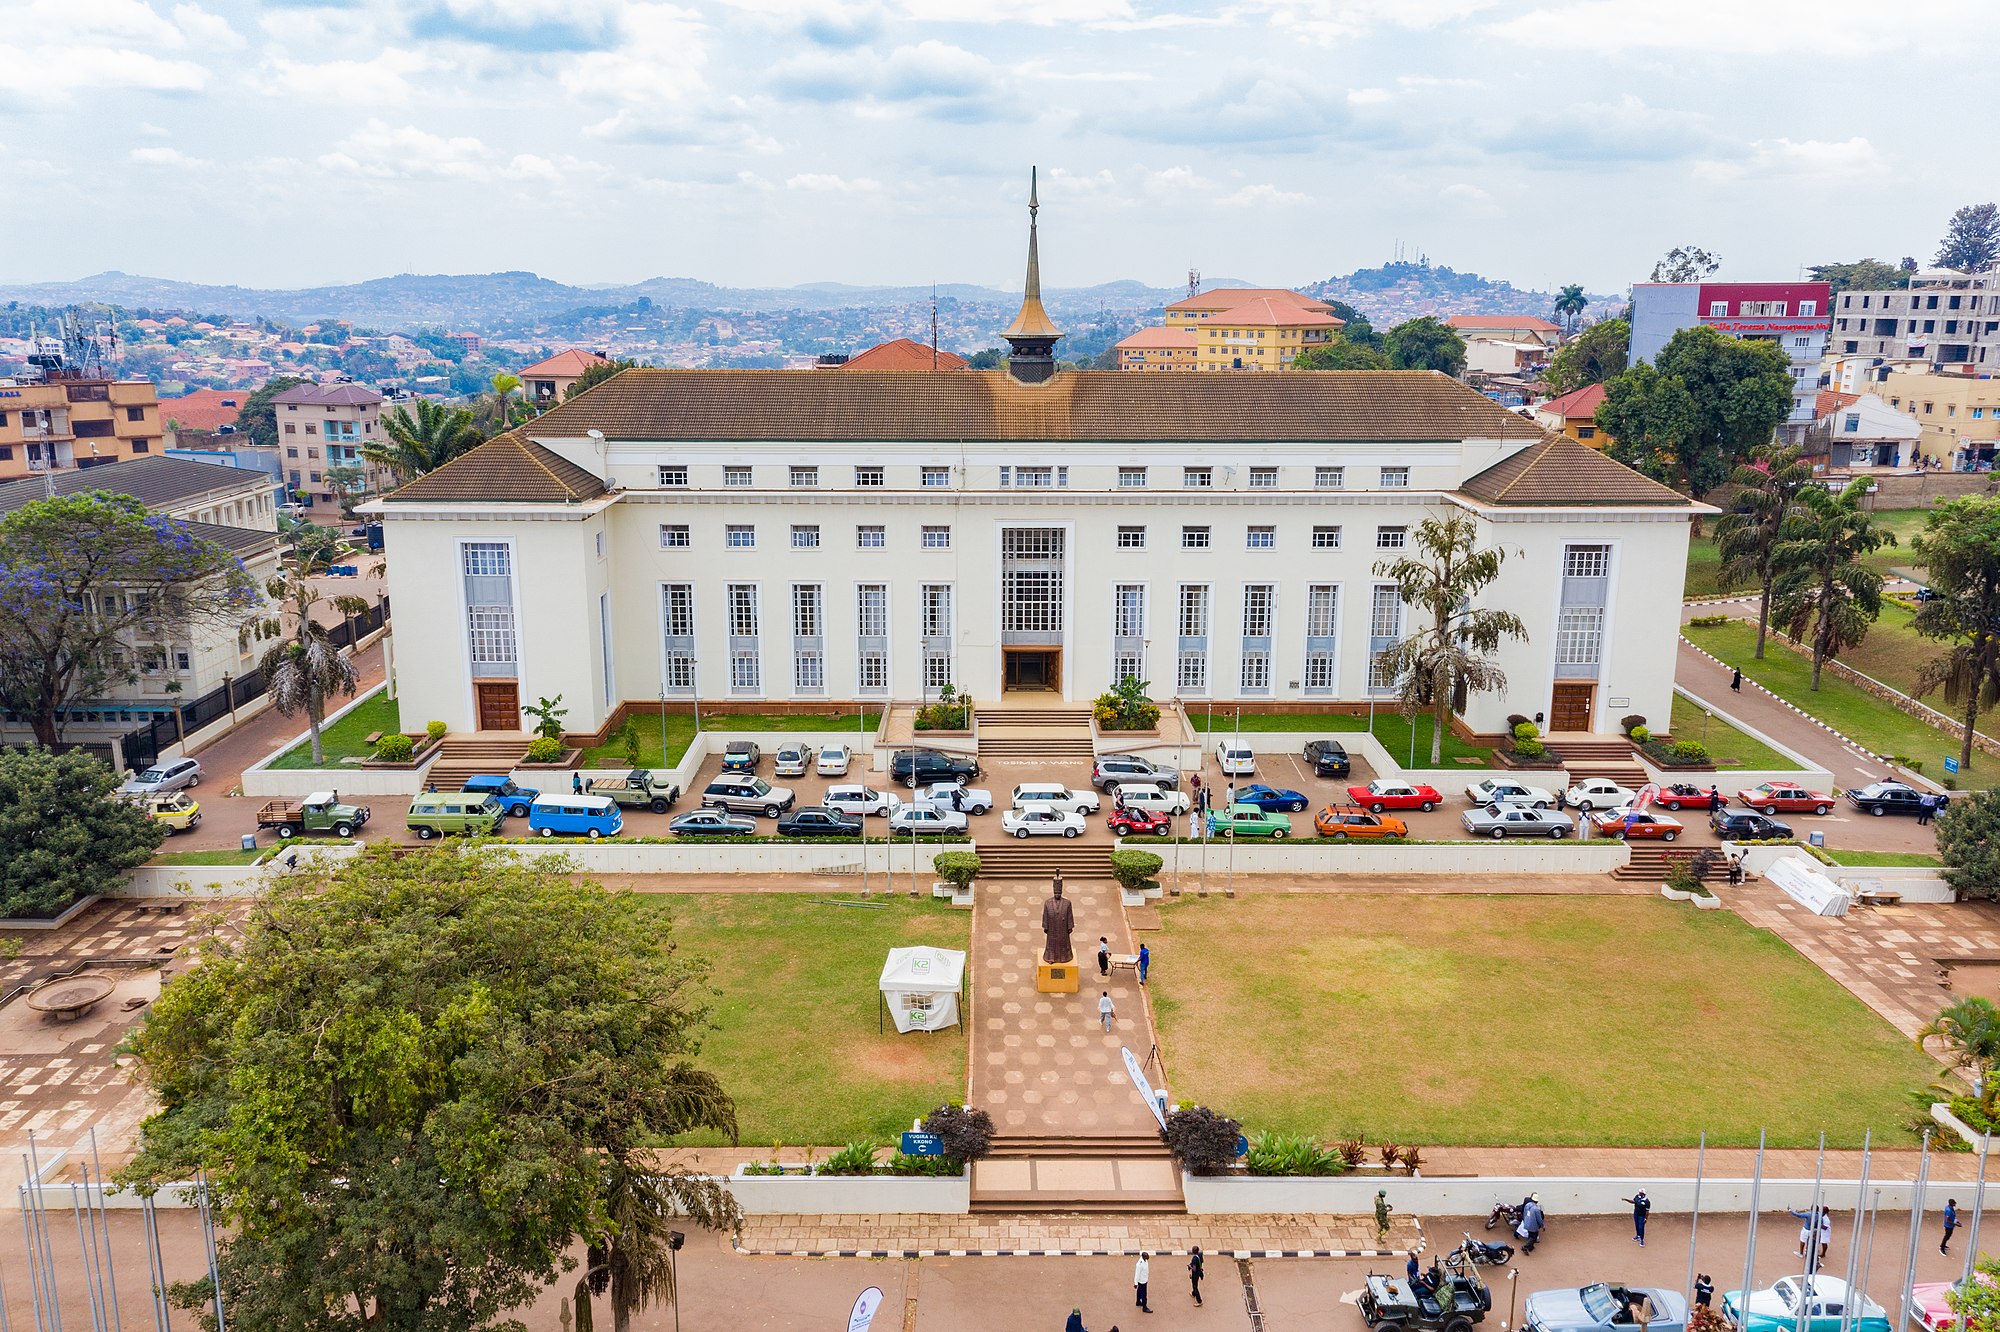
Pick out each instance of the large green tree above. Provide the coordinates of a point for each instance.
(88, 583)
(1686, 263)
(414, 1083)
(597, 374)
(1591, 357)
(1689, 418)
(1977, 1302)
(1453, 655)
(63, 835)
(413, 444)
(1764, 493)
(1355, 327)
(1341, 354)
(1826, 594)
(1971, 241)
(257, 418)
(1968, 840)
(1426, 343)
(1861, 275)
(1960, 551)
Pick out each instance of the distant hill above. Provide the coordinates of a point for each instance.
(1398, 291)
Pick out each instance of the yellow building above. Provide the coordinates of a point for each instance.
(64, 422)
(1158, 349)
(1960, 414)
(1232, 328)
(1575, 415)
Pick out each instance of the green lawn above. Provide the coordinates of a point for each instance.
(795, 1039)
(237, 857)
(1885, 859)
(679, 733)
(345, 738)
(1845, 707)
(1516, 1020)
(1704, 566)
(1390, 728)
(1725, 742)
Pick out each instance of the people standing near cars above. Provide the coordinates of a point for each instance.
(1641, 1207)
(1714, 800)
(1139, 1276)
(1532, 1221)
(1704, 1290)
(1926, 810)
(1195, 1269)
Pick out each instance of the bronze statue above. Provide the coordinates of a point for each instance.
(1058, 919)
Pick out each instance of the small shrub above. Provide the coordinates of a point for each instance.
(1126, 707)
(435, 729)
(762, 1168)
(900, 1164)
(395, 748)
(1201, 1140)
(1690, 751)
(1708, 621)
(1389, 1152)
(967, 1135)
(1640, 735)
(957, 868)
(1352, 1152)
(1526, 730)
(1530, 748)
(1134, 869)
(628, 737)
(1291, 1154)
(544, 749)
(856, 1158)
(1681, 873)
(1411, 1159)
(548, 714)
(1631, 723)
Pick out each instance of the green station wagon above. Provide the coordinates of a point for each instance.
(1248, 821)
(473, 813)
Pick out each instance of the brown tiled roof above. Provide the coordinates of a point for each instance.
(156, 481)
(1832, 400)
(564, 365)
(1535, 322)
(509, 470)
(330, 395)
(902, 354)
(1267, 313)
(1560, 471)
(1161, 338)
(1109, 405)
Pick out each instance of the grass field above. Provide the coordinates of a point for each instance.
(1390, 728)
(345, 738)
(1725, 742)
(1885, 859)
(1704, 566)
(1845, 707)
(235, 857)
(679, 727)
(1517, 1020)
(794, 1037)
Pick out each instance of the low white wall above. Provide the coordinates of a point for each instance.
(1917, 883)
(196, 880)
(698, 857)
(348, 779)
(1354, 1195)
(854, 1195)
(1731, 780)
(1521, 855)
(1451, 782)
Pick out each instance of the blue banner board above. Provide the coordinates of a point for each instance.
(922, 1144)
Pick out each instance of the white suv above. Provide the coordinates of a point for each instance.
(1235, 759)
(1054, 795)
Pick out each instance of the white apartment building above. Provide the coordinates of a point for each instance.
(1947, 320)
(324, 426)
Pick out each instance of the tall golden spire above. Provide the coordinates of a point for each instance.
(1032, 335)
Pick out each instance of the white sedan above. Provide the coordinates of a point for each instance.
(1042, 822)
(1497, 791)
(971, 799)
(919, 820)
(833, 760)
(1598, 793)
(860, 801)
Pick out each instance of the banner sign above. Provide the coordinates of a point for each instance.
(1145, 1088)
(922, 1144)
(865, 1305)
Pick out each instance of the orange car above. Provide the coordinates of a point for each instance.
(1341, 822)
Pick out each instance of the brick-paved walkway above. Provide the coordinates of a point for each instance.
(1246, 1236)
(1042, 1063)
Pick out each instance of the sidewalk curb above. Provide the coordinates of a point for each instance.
(1061, 1253)
(1851, 744)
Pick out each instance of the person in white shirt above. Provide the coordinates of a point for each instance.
(1139, 1275)
(1104, 1009)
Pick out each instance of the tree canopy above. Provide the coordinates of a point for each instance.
(1960, 551)
(1591, 357)
(1861, 275)
(1355, 328)
(1426, 343)
(423, 441)
(1968, 840)
(257, 418)
(1341, 354)
(1764, 493)
(89, 583)
(416, 1083)
(1570, 304)
(1685, 263)
(63, 835)
(595, 375)
(1971, 241)
(1689, 418)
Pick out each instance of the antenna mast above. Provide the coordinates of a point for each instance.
(1194, 282)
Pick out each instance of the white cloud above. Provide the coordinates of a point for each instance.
(1816, 160)
(822, 183)
(168, 157)
(384, 152)
(658, 59)
(384, 78)
(1367, 96)
(1464, 192)
(932, 75)
(202, 28)
(1042, 13)
(1718, 29)
(1330, 21)
(1262, 196)
(62, 47)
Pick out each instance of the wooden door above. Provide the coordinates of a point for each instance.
(499, 704)
(1569, 710)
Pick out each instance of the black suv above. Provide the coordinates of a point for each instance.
(1328, 758)
(921, 767)
(1737, 824)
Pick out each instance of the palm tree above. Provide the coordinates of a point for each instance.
(1437, 666)
(499, 412)
(302, 670)
(1969, 1030)
(1823, 586)
(424, 442)
(1747, 536)
(635, 1256)
(1570, 305)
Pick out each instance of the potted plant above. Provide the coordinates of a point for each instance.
(955, 870)
(1201, 1140)
(1682, 881)
(1134, 871)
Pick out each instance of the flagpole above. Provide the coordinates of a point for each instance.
(1916, 1235)
(1694, 1222)
(1750, 1249)
(1860, 1210)
(1978, 1205)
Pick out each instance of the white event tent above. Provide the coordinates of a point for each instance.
(920, 986)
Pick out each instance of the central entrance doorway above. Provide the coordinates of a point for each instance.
(498, 703)
(1033, 669)
(1569, 708)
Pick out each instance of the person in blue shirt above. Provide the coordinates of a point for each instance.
(1075, 1323)
(1950, 1224)
(1145, 960)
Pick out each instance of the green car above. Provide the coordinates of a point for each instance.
(1249, 821)
(473, 813)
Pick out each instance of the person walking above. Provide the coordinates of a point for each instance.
(1139, 1275)
(576, 783)
(1104, 1009)
(1075, 1321)
(1641, 1207)
(1704, 1290)
(1926, 810)
(1145, 960)
(1950, 1224)
(1736, 681)
(1103, 957)
(1194, 1273)
(1532, 1221)
(1825, 1236)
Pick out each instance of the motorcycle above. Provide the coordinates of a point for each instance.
(1504, 1211)
(1485, 1253)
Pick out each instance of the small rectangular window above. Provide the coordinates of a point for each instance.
(1395, 478)
(805, 536)
(1263, 478)
(1131, 478)
(1131, 538)
(936, 538)
(937, 476)
(139, 413)
(1262, 538)
(1196, 478)
(674, 536)
(1326, 538)
(1035, 478)
(739, 536)
(868, 476)
(804, 476)
(1808, 308)
(1194, 538)
(736, 476)
(1717, 309)
(1390, 538)
(871, 538)
(1329, 478)
(600, 545)
(673, 475)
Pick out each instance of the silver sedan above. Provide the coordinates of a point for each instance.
(1516, 821)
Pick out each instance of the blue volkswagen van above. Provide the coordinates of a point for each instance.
(559, 815)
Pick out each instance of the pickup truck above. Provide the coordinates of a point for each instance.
(637, 788)
(320, 812)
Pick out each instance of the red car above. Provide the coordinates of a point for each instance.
(1140, 823)
(1682, 795)
(1772, 797)
(1382, 794)
(1633, 824)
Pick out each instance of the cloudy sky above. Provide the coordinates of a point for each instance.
(767, 142)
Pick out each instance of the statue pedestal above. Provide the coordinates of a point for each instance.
(1057, 977)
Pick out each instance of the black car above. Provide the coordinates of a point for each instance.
(1327, 757)
(1879, 798)
(1743, 824)
(818, 822)
(921, 767)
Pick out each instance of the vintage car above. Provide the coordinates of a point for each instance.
(1634, 824)
(818, 821)
(711, 823)
(172, 811)
(1342, 822)
(1740, 825)
(1879, 798)
(1042, 821)
(1683, 795)
(1784, 798)
(853, 798)
(1597, 793)
(921, 820)
(1516, 821)
(1384, 793)
(1804, 1304)
(1140, 823)
(1506, 791)
(1393, 1303)
(1248, 821)
(1606, 1306)
(969, 799)
(1270, 797)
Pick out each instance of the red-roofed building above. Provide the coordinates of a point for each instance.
(1505, 344)
(902, 354)
(547, 382)
(202, 412)
(1158, 349)
(1575, 414)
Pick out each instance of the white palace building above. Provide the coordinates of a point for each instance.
(790, 537)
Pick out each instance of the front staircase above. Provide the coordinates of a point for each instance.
(1035, 733)
(1588, 756)
(1043, 858)
(461, 757)
(1649, 863)
(1126, 1175)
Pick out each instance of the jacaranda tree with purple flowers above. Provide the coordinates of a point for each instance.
(87, 582)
